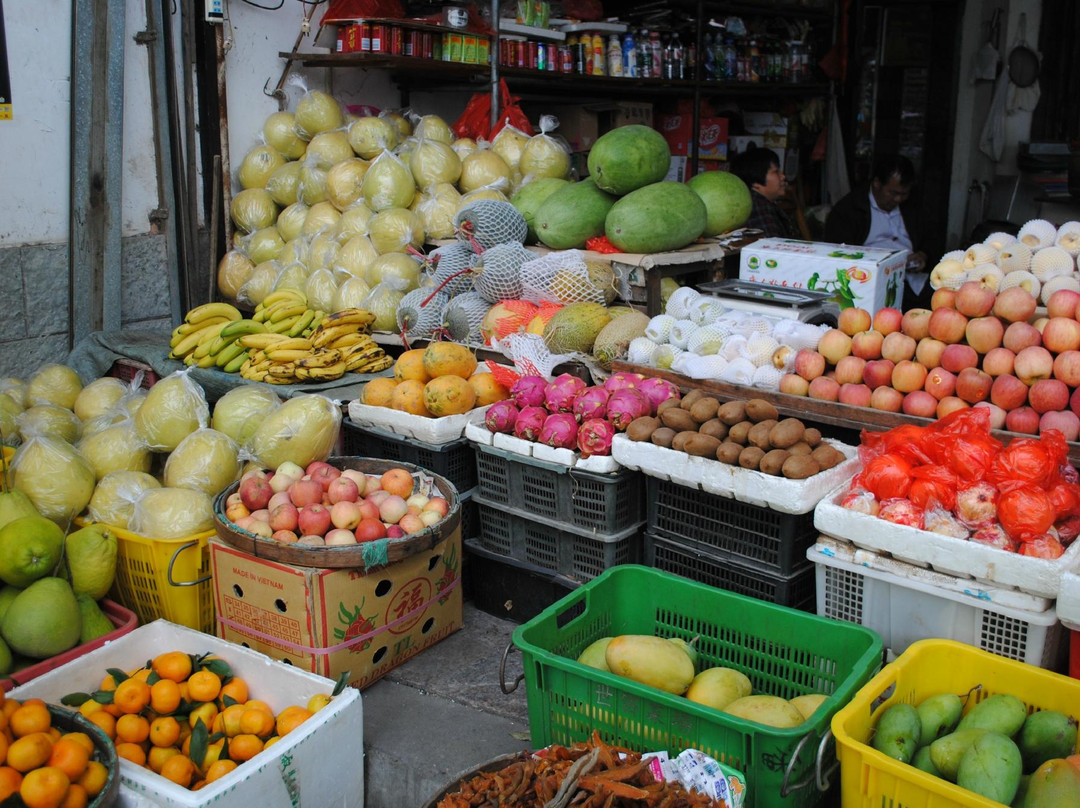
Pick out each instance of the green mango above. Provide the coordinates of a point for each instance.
(1046, 734)
(946, 752)
(593, 655)
(939, 715)
(923, 762)
(1001, 712)
(897, 732)
(991, 767)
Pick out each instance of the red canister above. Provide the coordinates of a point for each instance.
(379, 38)
(397, 39)
(413, 44)
(521, 54)
(531, 56)
(427, 45)
(365, 36)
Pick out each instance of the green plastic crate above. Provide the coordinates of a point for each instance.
(784, 652)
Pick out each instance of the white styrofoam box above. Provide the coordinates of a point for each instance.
(511, 444)
(319, 763)
(952, 556)
(478, 433)
(726, 480)
(904, 608)
(421, 427)
(1068, 604)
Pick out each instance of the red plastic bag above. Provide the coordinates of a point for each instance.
(475, 121)
(905, 441)
(1043, 546)
(1030, 460)
(601, 244)
(932, 483)
(886, 476)
(1066, 499)
(349, 10)
(1025, 511)
(961, 441)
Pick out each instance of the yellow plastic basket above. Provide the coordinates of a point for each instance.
(870, 778)
(165, 578)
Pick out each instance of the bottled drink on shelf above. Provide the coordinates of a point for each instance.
(678, 63)
(690, 61)
(614, 56)
(668, 59)
(754, 73)
(731, 61)
(598, 54)
(644, 55)
(657, 55)
(708, 62)
(629, 56)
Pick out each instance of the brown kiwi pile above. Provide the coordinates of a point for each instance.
(750, 434)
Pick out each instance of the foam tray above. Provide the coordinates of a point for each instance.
(957, 557)
(723, 479)
(431, 430)
(478, 433)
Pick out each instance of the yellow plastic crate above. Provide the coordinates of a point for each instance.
(165, 578)
(870, 778)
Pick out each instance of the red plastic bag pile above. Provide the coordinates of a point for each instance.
(953, 477)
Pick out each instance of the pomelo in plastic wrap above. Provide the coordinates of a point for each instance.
(327, 149)
(206, 460)
(55, 476)
(397, 270)
(544, 156)
(436, 207)
(174, 408)
(115, 495)
(257, 166)
(239, 411)
(258, 285)
(290, 222)
(279, 129)
(343, 182)
(292, 276)
(233, 271)
(322, 252)
(316, 112)
(464, 146)
(355, 257)
(432, 127)
(302, 430)
(116, 448)
(311, 184)
(350, 294)
(401, 123)
(354, 221)
(294, 252)
(49, 420)
(395, 229)
(484, 169)
(264, 244)
(371, 136)
(433, 161)
(9, 425)
(172, 513)
(383, 301)
(16, 388)
(282, 184)
(482, 193)
(253, 209)
(388, 183)
(508, 144)
(321, 216)
(53, 384)
(320, 289)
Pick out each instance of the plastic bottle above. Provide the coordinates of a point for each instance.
(598, 54)
(678, 61)
(644, 55)
(690, 58)
(657, 55)
(754, 73)
(731, 61)
(629, 56)
(614, 56)
(709, 57)
(668, 59)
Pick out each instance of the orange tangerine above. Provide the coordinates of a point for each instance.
(10, 780)
(29, 751)
(94, 778)
(244, 747)
(158, 755)
(204, 685)
(255, 704)
(317, 702)
(82, 739)
(273, 739)
(235, 689)
(179, 769)
(132, 695)
(230, 719)
(70, 757)
(105, 721)
(44, 787)
(207, 712)
(132, 728)
(131, 751)
(172, 665)
(219, 768)
(290, 718)
(76, 797)
(30, 717)
(256, 722)
(88, 707)
(164, 731)
(8, 707)
(142, 674)
(164, 696)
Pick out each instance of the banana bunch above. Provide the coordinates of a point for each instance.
(202, 325)
(285, 311)
(339, 344)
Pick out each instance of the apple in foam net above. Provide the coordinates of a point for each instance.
(1008, 392)
(1048, 395)
(856, 395)
(916, 323)
(998, 361)
(1033, 363)
(1061, 334)
(824, 389)
(809, 364)
(793, 384)
(957, 357)
(878, 373)
(950, 404)
(849, 370)
(1023, 419)
(908, 376)
(867, 344)
(997, 415)
(920, 403)
(1067, 368)
(887, 320)
(973, 385)
(853, 319)
(928, 352)
(975, 300)
(985, 333)
(948, 325)
(886, 399)
(939, 383)
(1063, 303)
(898, 346)
(1065, 421)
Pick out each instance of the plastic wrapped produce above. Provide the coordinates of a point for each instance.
(317, 112)
(484, 169)
(371, 136)
(436, 207)
(257, 166)
(206, 460)
(234, 270)
(327, 149)
(56, 478)
(395, 230)
(279, 130)
(174, 408)
(383, 301)
(49, 421)
(388, 183)
(53, 384)
(302, 430)
(543, 155)
(115, 495)
(253, 209)
(172, 513)
(343, 182)
(239, 411)
(116, 448)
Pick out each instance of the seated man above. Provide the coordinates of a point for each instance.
(876, 215)
(760, 170)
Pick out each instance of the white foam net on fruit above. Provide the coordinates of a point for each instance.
(797, 334)
(452, 260)
(530, 354)
(498, 275)
(418, 317)
(558, 277)
(488, 222)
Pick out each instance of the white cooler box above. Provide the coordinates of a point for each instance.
(321, 763)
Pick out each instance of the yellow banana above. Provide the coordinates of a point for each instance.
(281, 295)
(335, 371)
(231, 351)
(234, 365)
(284, 369)
(190, 341)
(319, 359)
(282, 326)
(260, 341)
(333, 333)
(290, 343)
(205, 362)
(239, 328)
(362, 349)
(270, 379)
(358, 316)
(348, 340)
(287, 354)
(368, 364)
(208, 310)
(284, 312)
(302, 322)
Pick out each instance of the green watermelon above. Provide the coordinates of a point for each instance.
(572, 214)
(628, 158)
(659, 217)
(726, 198)
(531, 196)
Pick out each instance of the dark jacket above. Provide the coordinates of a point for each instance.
(849, 220)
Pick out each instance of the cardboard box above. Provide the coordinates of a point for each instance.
(679, 171)
(578, 124)
(857, 276)
(365, 621)
(712, 135)
(294, 771)
(772, 126)
(626, 113)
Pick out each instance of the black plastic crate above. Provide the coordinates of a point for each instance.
(576, 554)
(798, 591)
(509, 589)
(470, 515)
(603, 503)
(727, 528)
(454, 460)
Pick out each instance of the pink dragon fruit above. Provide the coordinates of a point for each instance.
(528, 391)
(529, 422)
(658, 391)
(560, 430)
(591, 403)
(501, 416)
(625, 405)
(594, 437)
(621, 380)
(560, 392)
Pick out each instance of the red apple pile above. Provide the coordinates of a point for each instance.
(972, 348)
(323, 505)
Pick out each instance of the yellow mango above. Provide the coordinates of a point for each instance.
(808, 703)
(718, 687)
(651, 661)
(772, 711)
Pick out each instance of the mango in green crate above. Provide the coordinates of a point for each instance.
(594, 654)
(718, 687)
(652, 661)
(991, 767)
(772, 711)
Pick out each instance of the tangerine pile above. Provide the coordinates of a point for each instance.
(187, 718)
(47, 768)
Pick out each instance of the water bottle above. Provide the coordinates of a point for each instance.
(731, 61)
(629, 56)
(709, 60)
(614, 56)
(644, 55)
(678, 63)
